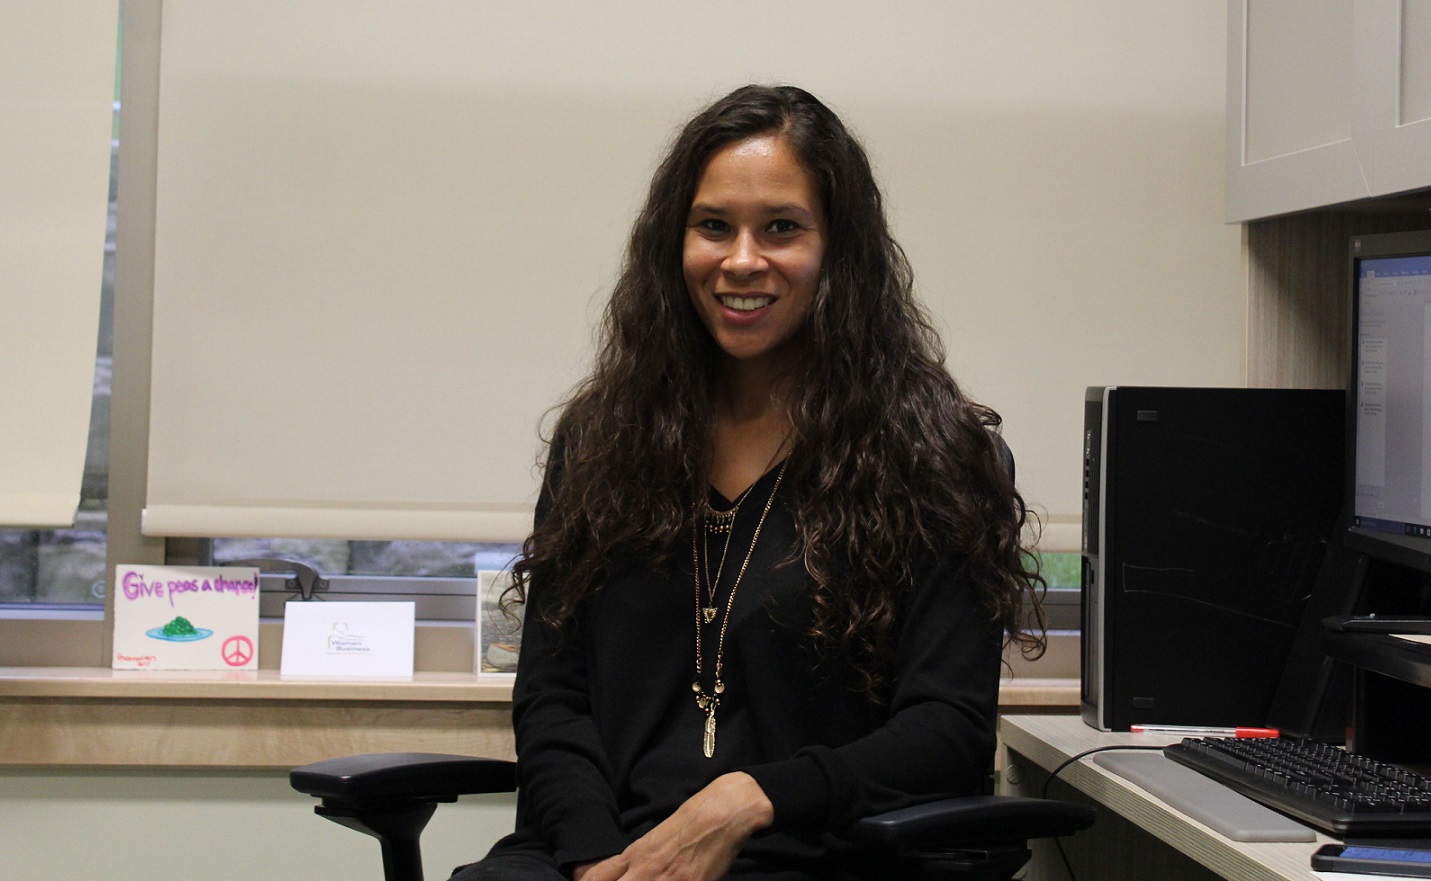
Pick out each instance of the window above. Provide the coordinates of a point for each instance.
(441, 577)
(68, 565)
(1063, 571)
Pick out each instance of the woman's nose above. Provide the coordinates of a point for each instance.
(744, 257)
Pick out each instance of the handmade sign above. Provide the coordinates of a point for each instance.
(365, 640)
(185, 618)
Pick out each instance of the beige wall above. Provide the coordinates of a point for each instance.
(177, 826)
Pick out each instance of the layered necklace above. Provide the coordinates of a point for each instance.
(717, 523)
(720, 522)
(706, 609)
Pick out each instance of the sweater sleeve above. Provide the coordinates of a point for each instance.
(937, 737)
(565, 789)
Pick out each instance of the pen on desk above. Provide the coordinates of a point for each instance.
(1204, 731)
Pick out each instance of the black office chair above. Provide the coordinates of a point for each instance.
(391, 796)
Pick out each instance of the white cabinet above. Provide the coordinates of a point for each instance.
(1328, 101)
(1392, 46)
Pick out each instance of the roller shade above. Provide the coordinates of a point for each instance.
(385, 230)
(358, 320)
(57, 68)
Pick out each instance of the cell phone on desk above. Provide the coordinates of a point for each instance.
(1402, 862)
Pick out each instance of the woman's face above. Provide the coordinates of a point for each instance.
(755, 240)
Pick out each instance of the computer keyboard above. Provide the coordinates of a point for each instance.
(1324, 786)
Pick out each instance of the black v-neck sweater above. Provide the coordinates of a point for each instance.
(609, 736)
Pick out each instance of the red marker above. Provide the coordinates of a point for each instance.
(1203, 731)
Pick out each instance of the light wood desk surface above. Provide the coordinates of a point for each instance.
(1045, 742)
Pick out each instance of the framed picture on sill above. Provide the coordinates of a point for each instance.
(499, 629)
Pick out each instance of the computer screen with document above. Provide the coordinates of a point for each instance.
(1389, 420)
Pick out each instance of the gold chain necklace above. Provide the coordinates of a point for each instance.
(708, 702)
(721, 521)
(708, 608)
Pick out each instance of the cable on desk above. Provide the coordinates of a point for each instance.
(1058, 842)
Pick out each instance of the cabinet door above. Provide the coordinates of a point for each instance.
(1290, 121)
(1392, 48)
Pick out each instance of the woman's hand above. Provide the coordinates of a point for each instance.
(696, 843)
(601, 868)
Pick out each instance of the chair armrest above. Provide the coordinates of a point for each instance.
(973, 819)
(400, 776)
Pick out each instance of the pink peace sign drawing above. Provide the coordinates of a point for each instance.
(237, 651)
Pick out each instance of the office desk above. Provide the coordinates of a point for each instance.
(1137, 836)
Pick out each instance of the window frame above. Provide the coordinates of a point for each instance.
(82, 637)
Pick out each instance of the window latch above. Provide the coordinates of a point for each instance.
(306, 580)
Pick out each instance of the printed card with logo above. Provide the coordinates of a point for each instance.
(185, 618)
(348, 640)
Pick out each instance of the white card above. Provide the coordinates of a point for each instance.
(185, 618)
(346, 640)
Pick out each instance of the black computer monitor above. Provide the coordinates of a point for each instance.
(1383, 558)
(1389, 399)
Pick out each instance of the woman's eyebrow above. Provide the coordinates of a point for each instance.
(788, 208)
(782, 208)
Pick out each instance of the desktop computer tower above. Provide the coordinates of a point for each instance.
(1206, 514)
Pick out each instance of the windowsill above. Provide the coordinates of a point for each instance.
(1031, 695)
(107, 684)
(78, 717)
(95, 717)
(100, 683)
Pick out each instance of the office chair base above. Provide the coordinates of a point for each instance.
(996, 863)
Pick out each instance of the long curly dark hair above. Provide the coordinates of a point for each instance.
(888, 459)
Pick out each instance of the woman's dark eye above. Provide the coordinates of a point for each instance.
(784, 227)
(713, 225)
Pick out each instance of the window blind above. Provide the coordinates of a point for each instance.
(364, 303)
(57, 68)
(384, 231)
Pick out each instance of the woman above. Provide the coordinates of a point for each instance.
(777, 550)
